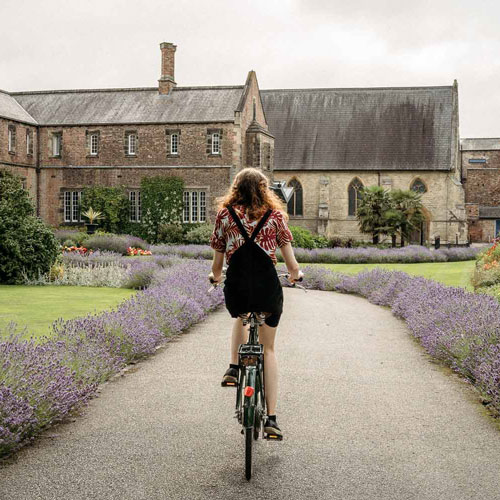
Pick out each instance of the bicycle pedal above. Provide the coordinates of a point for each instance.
(273, 437)
(228, 384)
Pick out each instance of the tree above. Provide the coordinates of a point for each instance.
(371, 212)
(405, 214)
(27, 245)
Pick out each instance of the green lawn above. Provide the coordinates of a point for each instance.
(449, 273)
(38, 306)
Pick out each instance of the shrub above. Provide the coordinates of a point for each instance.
(161, 203)
(115, 242)
(112, 202)
(170, 233)
(199, 235)
(28, 246)
(302, 238)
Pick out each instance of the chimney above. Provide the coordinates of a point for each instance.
(166, 81)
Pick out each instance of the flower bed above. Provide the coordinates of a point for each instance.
(370, 255)
(41, 383)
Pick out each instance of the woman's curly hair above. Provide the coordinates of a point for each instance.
(250, 188)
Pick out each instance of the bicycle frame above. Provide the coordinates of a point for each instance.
(251, 376)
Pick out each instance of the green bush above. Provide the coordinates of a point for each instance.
(302, 238)
(161, 203)
(199, 235)
(113, 204)
(27, 245)
(171, 233)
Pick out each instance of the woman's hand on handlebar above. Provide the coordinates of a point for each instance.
(296, 276)
(215, 279)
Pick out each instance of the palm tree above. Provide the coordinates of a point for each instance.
(405, 214)
(371, 212)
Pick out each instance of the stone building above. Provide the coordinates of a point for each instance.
(330, 142)
(61, 141)
(481, 179)
(327, 143)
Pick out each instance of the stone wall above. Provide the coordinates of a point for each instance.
(444, 201)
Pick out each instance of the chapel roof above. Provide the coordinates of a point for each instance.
(383, 128)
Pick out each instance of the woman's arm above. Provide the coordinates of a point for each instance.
(217, 263)
(291, 263)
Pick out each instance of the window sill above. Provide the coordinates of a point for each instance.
(92, 156)
(173, 155)
(55, 156)
(130, 155)
(12, 153)
(214, 154)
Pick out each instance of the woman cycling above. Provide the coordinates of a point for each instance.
(249, 226)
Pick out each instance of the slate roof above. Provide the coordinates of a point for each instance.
(408, 128)
(124, 106)
(10, 108)
(489, 212)
(479, 144)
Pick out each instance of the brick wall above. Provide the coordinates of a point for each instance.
(54, 181)
(151, 145)
(20, 157)
(19, 162)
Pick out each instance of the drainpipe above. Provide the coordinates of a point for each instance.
(37, 167)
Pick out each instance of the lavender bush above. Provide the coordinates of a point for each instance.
(115, 242)
(41, 383)
(458, 327)
(409, 254)
(185, 251)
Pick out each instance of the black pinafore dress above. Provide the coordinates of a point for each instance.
(252, 283)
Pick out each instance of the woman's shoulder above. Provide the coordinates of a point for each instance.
(278, 214)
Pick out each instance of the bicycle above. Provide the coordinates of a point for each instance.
(250, 395)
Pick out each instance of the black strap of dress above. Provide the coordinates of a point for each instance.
(242, 229)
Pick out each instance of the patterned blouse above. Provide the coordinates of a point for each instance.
(227, 238)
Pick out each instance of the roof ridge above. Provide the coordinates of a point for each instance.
(127, 89)
(362, 88)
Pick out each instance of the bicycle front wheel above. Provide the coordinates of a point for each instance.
(248, 452)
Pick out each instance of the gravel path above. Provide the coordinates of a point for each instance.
(365, 412)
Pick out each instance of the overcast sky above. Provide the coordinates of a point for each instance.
(56, 44)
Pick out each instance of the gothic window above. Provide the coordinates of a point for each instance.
(418, 186)
(354, 195)
(295, 204)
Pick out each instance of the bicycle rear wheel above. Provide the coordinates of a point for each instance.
(248, 452)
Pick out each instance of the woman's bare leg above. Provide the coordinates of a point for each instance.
(267, 334)
(239, 336)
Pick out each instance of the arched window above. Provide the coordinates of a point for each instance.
(354, 195)
(295, 203)
(418, 186)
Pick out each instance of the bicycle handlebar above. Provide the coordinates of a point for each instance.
(283, 275)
